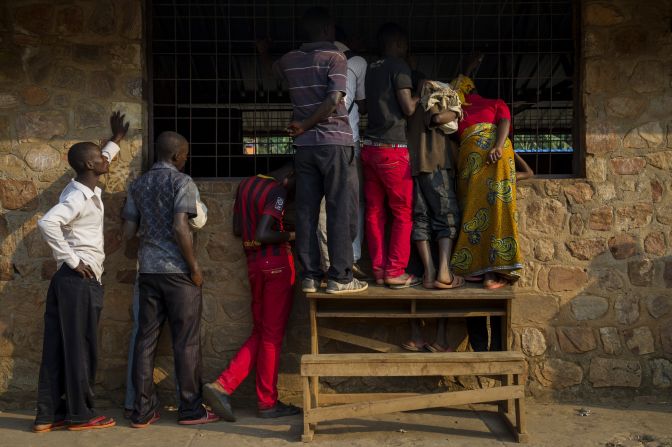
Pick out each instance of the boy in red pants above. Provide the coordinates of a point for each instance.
(258, 212)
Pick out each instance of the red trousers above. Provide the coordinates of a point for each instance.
(387, 177)
(271, 280)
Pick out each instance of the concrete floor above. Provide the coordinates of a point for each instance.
(551, 425)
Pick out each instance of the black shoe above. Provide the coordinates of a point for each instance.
(278, 411)
(219, 402)
(360, 274)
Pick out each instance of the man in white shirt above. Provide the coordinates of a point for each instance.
(73, 228)
(355, 104)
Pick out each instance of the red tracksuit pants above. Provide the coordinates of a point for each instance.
(271, 282)
(387, 178)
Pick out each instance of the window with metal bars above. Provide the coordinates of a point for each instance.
(210, 82)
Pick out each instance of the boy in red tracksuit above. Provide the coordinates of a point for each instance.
(258, 212)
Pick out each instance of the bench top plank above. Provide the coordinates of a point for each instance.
(414, 357)
(376, 292)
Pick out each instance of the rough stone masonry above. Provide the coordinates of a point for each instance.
(595, 313)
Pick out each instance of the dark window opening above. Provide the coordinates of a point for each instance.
(209, 83)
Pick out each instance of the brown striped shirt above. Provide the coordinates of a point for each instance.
(312, 72)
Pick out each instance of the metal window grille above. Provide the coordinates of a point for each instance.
(209, 83)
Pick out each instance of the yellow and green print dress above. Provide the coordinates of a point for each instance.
(488, 240)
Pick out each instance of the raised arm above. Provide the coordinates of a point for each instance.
(407, 101)
(119, 131)
(523, 170)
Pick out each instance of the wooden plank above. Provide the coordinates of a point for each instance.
(399, 313)
(451, 398)
(351, 398)
(308, 430)
(522, 438)
(415, 357)
(519, 379)
(471, 291)
(378, 369)
(357, 340)
(313, 328)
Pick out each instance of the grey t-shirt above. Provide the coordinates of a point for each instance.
(387, 122)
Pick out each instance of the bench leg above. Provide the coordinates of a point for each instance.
(308, 429)
(315, 389)
(521, 426)
(505, 406)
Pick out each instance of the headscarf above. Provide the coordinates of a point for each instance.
(463, 85)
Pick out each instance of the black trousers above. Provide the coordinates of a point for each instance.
(477, 328)
(175, 297)
(330, 172)
(70, 351)
(436, 213)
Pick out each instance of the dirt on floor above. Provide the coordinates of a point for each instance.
(549, 425)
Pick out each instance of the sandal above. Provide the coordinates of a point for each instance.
(94, 424)
(455, 283)
(44, 428)
(411, 280)
(473, 278)
(412, 346)
(435, 347)
(155, 417)
(207, 418)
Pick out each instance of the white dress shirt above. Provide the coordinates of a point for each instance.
(73, 228)
(354, 88)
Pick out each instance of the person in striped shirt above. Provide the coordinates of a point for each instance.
(258, 218)
(316, 76)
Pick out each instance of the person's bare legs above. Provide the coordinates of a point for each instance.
(415, 342)
(425, 252)
(445, 278)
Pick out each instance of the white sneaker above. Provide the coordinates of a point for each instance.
(309, 285)
(352, 287)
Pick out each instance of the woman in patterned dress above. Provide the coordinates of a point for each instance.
(486, 185)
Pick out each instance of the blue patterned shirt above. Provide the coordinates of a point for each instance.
(152, 202)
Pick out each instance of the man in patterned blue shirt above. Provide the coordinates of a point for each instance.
(161, 202)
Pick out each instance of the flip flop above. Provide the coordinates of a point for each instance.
(45, 428)
(435, 347)
(411, 281)
(457, 282)
(155, 417)
(94, 424)
(205, 419)
(413, 347)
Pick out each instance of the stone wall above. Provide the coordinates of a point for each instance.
(594, 312)
(64, 67)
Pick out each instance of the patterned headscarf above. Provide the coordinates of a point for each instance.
(463, 85)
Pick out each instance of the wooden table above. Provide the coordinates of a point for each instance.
(379, 302)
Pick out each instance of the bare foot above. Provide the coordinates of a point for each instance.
(428, 280)
(493, 281)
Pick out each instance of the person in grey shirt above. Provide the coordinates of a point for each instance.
(161, 202)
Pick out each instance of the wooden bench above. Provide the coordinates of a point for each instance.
(503, 364)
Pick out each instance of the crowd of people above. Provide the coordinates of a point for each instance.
(434, 170)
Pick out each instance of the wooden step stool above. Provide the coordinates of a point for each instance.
(505, 365)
